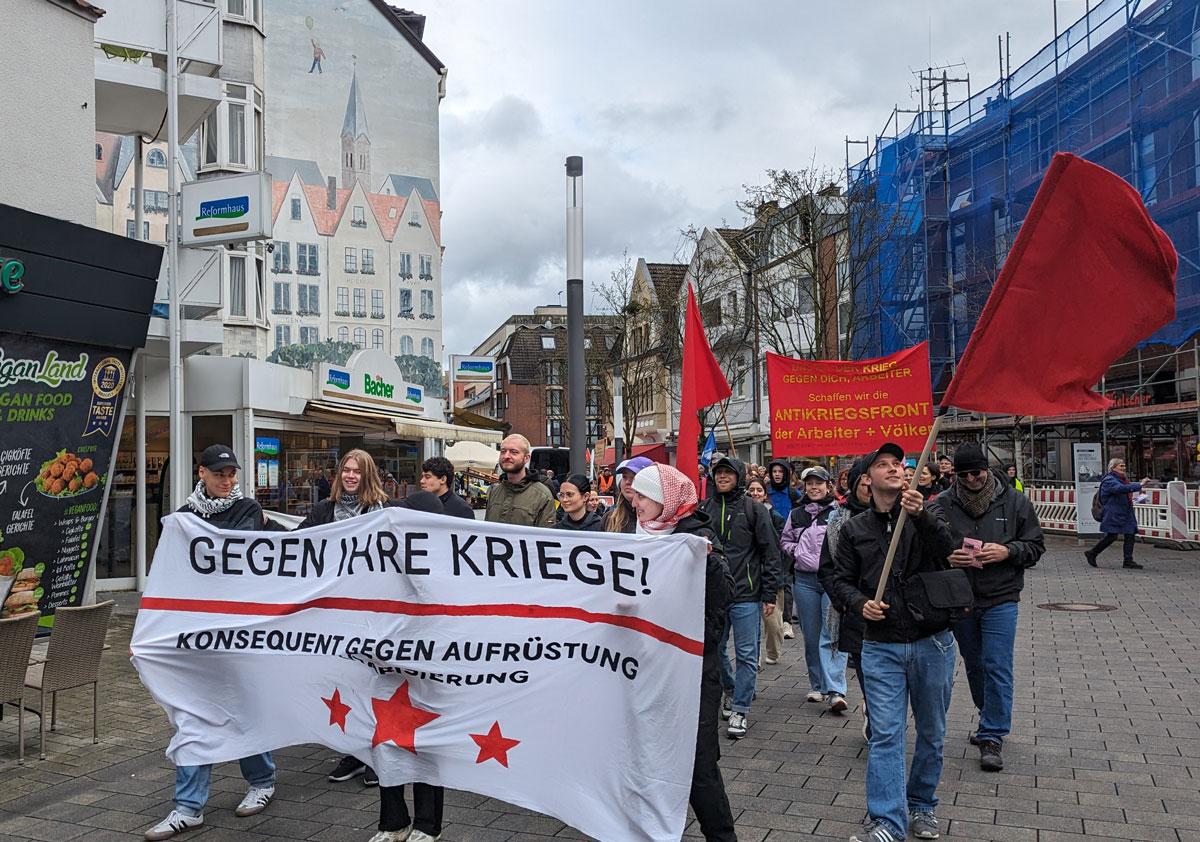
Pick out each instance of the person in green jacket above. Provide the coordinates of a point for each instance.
(519, 497)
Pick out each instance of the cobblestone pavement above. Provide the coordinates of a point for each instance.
(1106, 742)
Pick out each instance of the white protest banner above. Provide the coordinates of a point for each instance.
(552, 669)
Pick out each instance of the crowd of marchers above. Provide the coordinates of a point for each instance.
(788, 549)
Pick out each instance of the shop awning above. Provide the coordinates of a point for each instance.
(466, 418)
(419, 428)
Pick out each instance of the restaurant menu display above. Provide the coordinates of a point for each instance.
(60, 411)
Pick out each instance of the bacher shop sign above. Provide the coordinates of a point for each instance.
(372, 380)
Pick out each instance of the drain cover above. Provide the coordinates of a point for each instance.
(1076, 606)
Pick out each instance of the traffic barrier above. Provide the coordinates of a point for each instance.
(1167, 514)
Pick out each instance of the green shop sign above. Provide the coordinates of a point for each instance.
(12, 274)
(378, 387)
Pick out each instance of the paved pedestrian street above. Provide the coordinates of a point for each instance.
(1106, 742)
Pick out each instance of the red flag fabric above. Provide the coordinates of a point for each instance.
(1089, 276)
(703, 385)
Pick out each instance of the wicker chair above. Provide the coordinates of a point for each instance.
(16, 642)
(72, 660)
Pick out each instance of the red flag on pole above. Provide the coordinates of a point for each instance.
(1089, 276)
(703, 385)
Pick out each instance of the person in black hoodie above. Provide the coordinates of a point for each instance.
(573, 511)
(752, 551)
(666, 503)
(217, 498)
(984, 506)
(437, 473)
(903, 660)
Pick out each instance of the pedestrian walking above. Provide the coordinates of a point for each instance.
(847, 622)
(983, 507)
(1116, 496)
(622, 517)
(666, 503)
(217, 499)
(519, 497)
(573, 494)
(905, 661)
(752, 552)
(803, 538)
(774, 630)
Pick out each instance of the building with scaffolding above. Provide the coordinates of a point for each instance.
(949, 184)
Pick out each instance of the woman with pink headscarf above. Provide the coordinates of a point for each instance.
(665, 503)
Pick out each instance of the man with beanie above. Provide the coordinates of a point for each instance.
(904, 661)
(752, 551)
(983, 507)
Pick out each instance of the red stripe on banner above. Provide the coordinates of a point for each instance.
(415, 609)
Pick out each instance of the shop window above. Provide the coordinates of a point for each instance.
(368, 261)
(406, 265)
(360, 337)
(360, 303)
(295, 208)
(358, 217)
(156, 158)
(281, 256)
(426, 304)
(343, 334)
(406, 345)
(377, 338)
(406, 308)
(376, 304)
(310, 302)
(231, 137)
(307, 262)
(427, 348)
(309, 336)
(343, 302)
(426, 267)
(351, 259)
(283, 297)
(283, 336)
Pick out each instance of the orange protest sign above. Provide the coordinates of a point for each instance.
(831, 407)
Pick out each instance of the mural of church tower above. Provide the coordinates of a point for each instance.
(356, 142)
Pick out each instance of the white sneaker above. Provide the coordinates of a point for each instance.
(837, 703)
(770, 661)
(788, 632)
(393, 835)
(173, 825)
(814, 696)
(422, 836)
(256, 800)
(737, 726)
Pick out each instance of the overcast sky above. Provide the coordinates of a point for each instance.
(674, 106)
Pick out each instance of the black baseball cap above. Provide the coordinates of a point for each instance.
(218, 456)
(890, 448)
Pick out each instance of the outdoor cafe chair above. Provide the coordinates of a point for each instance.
(16, 644)
(72, 660)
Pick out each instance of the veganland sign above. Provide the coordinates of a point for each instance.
(60, 412)
(830, 407)
(370, 377)
(457, 653)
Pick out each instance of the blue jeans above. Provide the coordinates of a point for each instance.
(826, 668)
(897, 675)
(192, 782)
(745, 620)
(986, 638)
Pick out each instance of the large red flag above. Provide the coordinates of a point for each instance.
(1089, 276)
(703, 385)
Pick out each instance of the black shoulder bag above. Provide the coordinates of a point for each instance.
(938, 599)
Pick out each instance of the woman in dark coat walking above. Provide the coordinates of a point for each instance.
(1116, 496)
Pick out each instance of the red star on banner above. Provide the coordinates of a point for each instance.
(397, 720)
(494, 746)
(337, 709)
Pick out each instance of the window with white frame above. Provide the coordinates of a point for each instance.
(244, 11)
(368, 261)
(360, 302)
(309, 336)
(426, 267)
(406, 308)
(295, 207)
(247, 296)
(376, 304)
(343, 334)
(406, 345)
(343, 302)
(377, 338)
(307, 262)
(309, 300)
(283, 297)
(131, 227)
(427, 347)
(283, 335)
(154, 201)
(237, 286)
(405, 265)
(360, 337)
(232, 134)
(351, 259)
(155, 158)
(281, 256)
(358, 218)
(426, 304)
(414, 218)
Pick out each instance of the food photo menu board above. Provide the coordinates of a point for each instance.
(60, 415)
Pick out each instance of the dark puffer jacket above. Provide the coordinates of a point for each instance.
(245, 515)
(718, 584)
(748, 537)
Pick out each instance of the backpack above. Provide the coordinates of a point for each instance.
(1097, 507)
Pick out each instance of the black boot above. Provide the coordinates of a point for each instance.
(1091, 558)
(1130, 564)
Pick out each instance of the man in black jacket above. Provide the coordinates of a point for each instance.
(982, 507)
(437, 473)
(752, 551)
(902, 659)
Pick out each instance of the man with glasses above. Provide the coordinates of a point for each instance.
(998, 536)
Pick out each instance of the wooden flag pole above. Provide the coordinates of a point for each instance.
(903, 518)
(728, 434)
